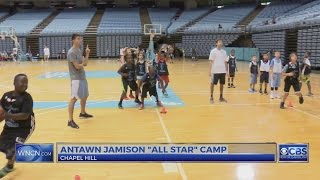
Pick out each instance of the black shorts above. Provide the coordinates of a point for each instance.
(152, 91)
(132, 84)
(264, 77)
(232, 72)
(294, 83)
(232, 75)
(10, 137)
(218, 78)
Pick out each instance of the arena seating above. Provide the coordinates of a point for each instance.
(309, 11)
(69, 21)
(120, 27)
(267, 41)
(161, 16)
(110, 45)
(299, 17)
(8, 44)
(227, 17)
(309, 40)
(275, 9)
(55, 43)
(2, 14)
(186, 17)
(120, 21)
(57, 35)
(203, 43)
(23, 22)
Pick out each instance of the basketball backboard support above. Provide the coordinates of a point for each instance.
(9, 32)
(152, 29)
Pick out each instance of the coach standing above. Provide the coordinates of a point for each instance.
(218, 69)
(79, 84)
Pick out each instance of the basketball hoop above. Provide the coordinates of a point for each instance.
(150, 29)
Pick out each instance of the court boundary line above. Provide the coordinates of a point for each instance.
(169, 140)
(305, 112)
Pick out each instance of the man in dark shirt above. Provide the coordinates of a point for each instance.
(19, 120)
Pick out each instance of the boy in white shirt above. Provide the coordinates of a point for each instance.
(264, 73)
(275, 75)
(253, 66)
(46, 53)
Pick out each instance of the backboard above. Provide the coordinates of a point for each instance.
(152, 29)
(7, 31)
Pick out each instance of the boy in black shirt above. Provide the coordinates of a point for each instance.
(19, 120)
(291, 72)
(305, 72)
(232, 68)
(148, 83)
(128, 74)
(141, 66)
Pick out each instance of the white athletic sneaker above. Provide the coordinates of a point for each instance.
(278, 95)
(272, 95)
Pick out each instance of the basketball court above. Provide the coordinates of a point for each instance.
(190, 118)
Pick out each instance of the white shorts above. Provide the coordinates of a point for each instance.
(79, 89)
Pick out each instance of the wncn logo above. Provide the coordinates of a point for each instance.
(34, 152)
(293, 153)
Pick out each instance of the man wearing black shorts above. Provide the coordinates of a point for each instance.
(218, 69)
(19, 120)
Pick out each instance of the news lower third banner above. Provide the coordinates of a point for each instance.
(228, 152)
(166, 152)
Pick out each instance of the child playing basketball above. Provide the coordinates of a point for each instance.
(264, 73)
(232, 68)
(19, 120)
(305, 72)
(291, 72)
(148, 83)
(129, 53)
(163, 68)
(141, 66)
(275, 75)
(127, 72)
(253, 73)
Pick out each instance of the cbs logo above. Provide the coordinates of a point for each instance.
(283, 151)
(292, 151)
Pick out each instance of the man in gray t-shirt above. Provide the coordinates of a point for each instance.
(79, 84)
(75, 55)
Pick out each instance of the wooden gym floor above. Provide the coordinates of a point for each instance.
(245, 118)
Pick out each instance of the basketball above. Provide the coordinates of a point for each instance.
(1, 114)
